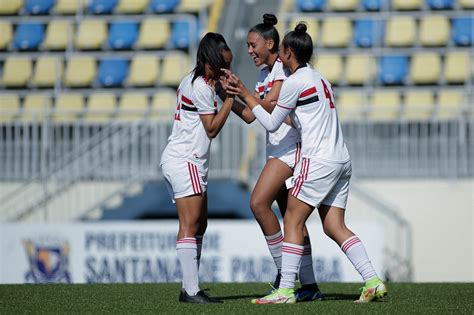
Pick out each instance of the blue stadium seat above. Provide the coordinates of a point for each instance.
(123, 34)
(461, 31)
(440, 4)
(373, 5)
(393, 69)
(102, 6)
(311, 5)
(28, 35)
(368, 33)
(38, 6)
(181, 33)
(163, 6)
(112, 72)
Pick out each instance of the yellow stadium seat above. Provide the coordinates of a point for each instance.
(457, 66)
(35, 107)
(10, 7)
(144, 70)
(343, 5)
(175, 67)
(418, 105)
(6, 31)
(434, 30)
(385, 105)
(360, 69)
(80, 71)
(131, 6)
(401, 31)
(407, 4)
(163, 105)
(48, 71)
(466, 4)
(68, 107)
(450, 104)
(425, 68)
(351, 105)
(91, 34)
(336, 32)
(311, 24)
(133, 105)
(330, 66)
(58, 35)
(17, 71)
(69, 6)
(193, 6)
(9, 107)
(154, 33)
(101, 106)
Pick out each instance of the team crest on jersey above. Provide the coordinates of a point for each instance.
(48, 261)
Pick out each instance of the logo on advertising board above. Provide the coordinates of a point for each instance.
(48, 260)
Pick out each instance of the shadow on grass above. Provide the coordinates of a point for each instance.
(238, 297)
(339, 296)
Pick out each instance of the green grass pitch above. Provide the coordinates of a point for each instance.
(408, 298)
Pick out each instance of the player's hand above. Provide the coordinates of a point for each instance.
(235, 81)
(229, 86)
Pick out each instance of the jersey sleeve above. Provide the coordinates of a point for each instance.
(204, 98)
(289, 94)
(280, 73)
(272, 121)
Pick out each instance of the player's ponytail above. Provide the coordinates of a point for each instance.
(209, 52)
(268, 31)
(300, 42)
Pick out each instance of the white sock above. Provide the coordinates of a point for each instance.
(291, 259)
(187, 255)
(355, 251)
(274, 243)
(199, 248)
(306, 272)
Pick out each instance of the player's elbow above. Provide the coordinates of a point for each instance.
(212, 133)
(250, 120)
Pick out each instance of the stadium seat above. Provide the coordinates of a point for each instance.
(69, 6)
(38, 6)
(384, 105)
(163, 6)
(100, 107)
(310, 5)
(457, 67)
(9, 106)
(123, 34)
(131, 6)
(35, 106)
(181, 33)
(393, 69)
(462, 33)
(351, 105)
(434, 30)
(401, 31)
(68, 107)
(59, 34)
(193, 6)
(112, 72)
(163, 105)
(368, 32)
(91, 34)
(407, 4)
(425, 68)
(16, 71)
(154, 33)
(48, 71)
(175, 67)
(80, 71)
(450, 104)
(418, 105)
(311, 24)
(343, 5)
(28, 35)
(10, 7)
(7, 32)
(360, 69)
(133, 105)
(373, 5)
(101, 6)
(330, 66)
(336, 32)
(440, 4)
(143, 70)
(466, 4)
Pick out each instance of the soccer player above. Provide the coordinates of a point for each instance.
(283, 147)
(322, 176)
(185, 160)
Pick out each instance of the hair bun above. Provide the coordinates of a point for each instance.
(301, 28)
(269, 18)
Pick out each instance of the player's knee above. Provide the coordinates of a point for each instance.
(259, 207)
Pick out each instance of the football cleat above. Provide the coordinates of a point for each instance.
(280, 296)
(308, 293)
(200, 298)
(373, 290)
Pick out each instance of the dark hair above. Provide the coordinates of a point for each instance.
(268, 31)
(210, 51)
(301, 43)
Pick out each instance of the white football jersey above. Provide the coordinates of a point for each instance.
(285, 136)
(188, 139)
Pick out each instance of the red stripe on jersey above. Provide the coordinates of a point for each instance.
(261, 88)
(270, 84)
(186, 100)
(284, 106)
(308, 92)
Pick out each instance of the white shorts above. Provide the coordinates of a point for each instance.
(290, 157)
(184, 178)
(316, 182)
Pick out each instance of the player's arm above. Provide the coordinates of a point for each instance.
(213, 123)
(238, 108)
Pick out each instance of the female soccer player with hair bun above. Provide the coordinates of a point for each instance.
(322, 176)
(185, 160)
